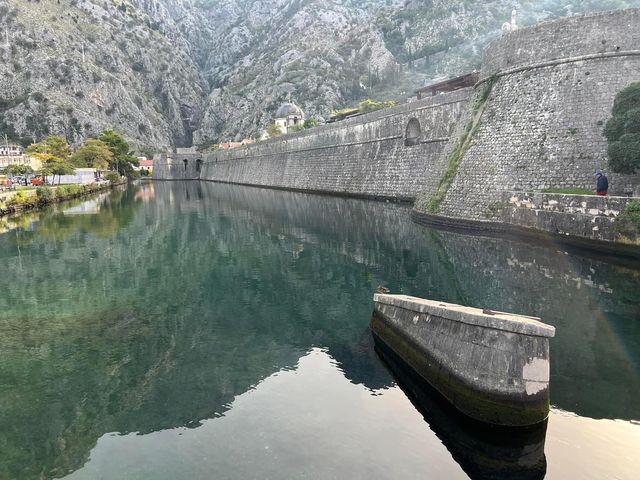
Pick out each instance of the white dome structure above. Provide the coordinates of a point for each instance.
(289, 109)
(288, 115)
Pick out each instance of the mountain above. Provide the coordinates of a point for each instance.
(177, 72)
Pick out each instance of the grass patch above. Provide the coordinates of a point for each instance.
(569, 191)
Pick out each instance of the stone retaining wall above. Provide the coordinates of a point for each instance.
(553, 90)
(586, 216)
(369, 155)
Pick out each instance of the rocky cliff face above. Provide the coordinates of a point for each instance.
(78, 66)
(177, 72)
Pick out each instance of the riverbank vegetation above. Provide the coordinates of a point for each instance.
(110, 151)
(25, 200)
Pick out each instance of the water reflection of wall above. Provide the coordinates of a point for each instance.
(192, 298)
(593, 304)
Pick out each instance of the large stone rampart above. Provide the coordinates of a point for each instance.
(607, 33)
(552, 91)
(372, 155)
(533, 122)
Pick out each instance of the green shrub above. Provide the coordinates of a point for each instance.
(113, 177)
(19, 198)
(44, 194)
(369, 105)
(629, 220)
(623, 131)
(624, 153)
(65, 191)
(627, 99)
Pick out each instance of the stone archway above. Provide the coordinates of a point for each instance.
(198, 165)
(413, 133)
(186, 162)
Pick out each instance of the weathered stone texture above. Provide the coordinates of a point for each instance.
(582, 215)
(361, 156)
(543, 124)
(600, 33)
(492, 366)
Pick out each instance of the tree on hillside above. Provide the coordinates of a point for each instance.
(93, 154)
(623, 131)
(123, 159)
(273, 130)
(54, 153)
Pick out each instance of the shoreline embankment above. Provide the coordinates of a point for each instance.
(34, 201)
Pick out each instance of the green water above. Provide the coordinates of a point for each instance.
(187, 330)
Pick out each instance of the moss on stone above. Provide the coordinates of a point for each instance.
(484, 407)
(628, 222)
(461, 146)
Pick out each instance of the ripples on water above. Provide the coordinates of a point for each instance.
(211, 331)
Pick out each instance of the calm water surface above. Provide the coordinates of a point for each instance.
(179, 330)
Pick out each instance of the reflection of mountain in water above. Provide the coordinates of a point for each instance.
(161, 318)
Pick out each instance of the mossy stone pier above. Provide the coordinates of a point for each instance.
(492, 366)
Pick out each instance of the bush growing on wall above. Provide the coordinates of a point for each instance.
(623, 131)
(629, 220)
(369, 105)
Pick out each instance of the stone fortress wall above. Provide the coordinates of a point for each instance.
(551, 90)
(553, 87)
(392, 153)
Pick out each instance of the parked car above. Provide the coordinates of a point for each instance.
(19, 180)
(38, 180)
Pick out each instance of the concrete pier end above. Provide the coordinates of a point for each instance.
(492, 366)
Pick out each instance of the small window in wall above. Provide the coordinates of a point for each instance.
(198, 165)
(413, 134)
(185, 163)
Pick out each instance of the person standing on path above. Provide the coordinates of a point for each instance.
(602, 185)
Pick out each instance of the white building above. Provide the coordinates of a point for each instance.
(11, 150)
(288, 115)
(15, 155)
(82, 176)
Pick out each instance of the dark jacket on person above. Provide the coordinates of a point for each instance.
(603, 184)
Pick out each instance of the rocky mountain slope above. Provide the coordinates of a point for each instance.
(177, 72)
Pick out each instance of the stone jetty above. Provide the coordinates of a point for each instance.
(492, 366)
